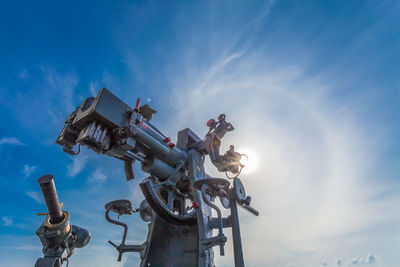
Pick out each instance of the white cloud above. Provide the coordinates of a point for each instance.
(107, 80)
(314, 186)
(35, 196)
(10, 141)
(64, 85)
(97, 176)
(94, 87)
(77, 165)
(28, 170)
(7, 221)
(58, 95)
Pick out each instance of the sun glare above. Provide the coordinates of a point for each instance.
(250, 162)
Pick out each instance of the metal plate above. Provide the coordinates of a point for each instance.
(239, 190)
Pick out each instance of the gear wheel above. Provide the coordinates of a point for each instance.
(168, 203)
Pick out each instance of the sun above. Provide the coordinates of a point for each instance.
(250, 162)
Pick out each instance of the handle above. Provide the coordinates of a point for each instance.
(251, 210)
(220, 225)
(128, 170)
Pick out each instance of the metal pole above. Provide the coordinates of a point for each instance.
(49, 192)
(237, 241)
(135, 156)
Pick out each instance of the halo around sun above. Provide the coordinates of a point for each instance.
(250, 162)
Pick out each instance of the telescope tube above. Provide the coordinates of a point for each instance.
(171, 156)
(49, 192)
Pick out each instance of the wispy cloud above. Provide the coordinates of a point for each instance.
(317, 196)
(64, 84)
(77, 165)
(315, 159)
(10, 141)
(313, 186)
(97, 176)
(94, 87)
(215, 69)
(7, 220)
(35, 196)
(107, 80)
(28, 170)
(51, 95)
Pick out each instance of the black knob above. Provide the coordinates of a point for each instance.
(247, 201)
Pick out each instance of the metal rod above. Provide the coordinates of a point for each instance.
(251, 210)
(171, 155)
(150, 141)
(119, 248)
(237, 241)
(107, 215)
(135, 156)
(49, 192)
(219, 215)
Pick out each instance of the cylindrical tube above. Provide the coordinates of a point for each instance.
(49, 192)
(251, 210)
(159, 169)
(171, 156)
(135, 156)
(237, 240)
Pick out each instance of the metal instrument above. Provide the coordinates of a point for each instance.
(179, 194)
(58, 237)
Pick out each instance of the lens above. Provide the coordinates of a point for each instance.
(88, 103)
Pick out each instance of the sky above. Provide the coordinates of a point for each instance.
(311, 87)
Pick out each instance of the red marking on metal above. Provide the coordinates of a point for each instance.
(171, 145)
(189, 187)
(143, 125)
(195, 204)
(137, 104)
(210, 122)
(167, 140)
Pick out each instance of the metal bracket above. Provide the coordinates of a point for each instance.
(122, 207)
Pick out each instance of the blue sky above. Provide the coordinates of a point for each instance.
(312, 88)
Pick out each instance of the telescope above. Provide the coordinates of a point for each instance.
(178, 193)
(58, 237)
